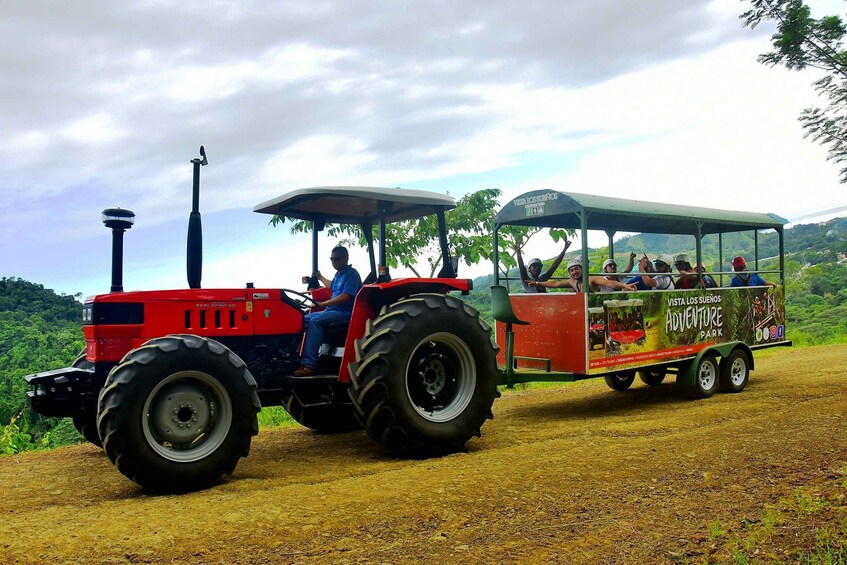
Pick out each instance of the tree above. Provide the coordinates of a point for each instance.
(802, 41)
(414, 244)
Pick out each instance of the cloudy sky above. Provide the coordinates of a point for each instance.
(104, 104)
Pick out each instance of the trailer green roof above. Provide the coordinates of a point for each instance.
(356, 204)
(551, 208)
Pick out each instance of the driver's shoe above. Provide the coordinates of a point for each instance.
(304, 371)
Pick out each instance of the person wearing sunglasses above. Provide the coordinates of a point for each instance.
(344, 285)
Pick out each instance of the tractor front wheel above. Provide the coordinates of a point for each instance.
(425, 375)
(85, 419)
(178, 412)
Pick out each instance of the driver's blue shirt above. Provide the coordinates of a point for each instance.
(345, 281)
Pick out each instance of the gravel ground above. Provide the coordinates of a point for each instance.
(568, 474)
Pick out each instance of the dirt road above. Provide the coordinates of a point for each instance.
(568, 474)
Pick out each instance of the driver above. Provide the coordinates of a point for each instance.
(345, 284)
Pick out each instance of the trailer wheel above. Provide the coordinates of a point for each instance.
(178, 412)
(735, 371)
(425, 375)
(621, 380)
(322, 418)
(652, 377)
(85, 420)
(705, 377)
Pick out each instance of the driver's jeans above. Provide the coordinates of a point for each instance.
(316, 323)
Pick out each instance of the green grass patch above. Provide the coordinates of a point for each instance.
(275, 417)
(808, 525)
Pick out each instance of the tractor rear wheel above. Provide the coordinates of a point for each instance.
(85, 420)
(425, 375)
(178, 412)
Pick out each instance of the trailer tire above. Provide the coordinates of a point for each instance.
(177, 413)
(621, 380)
(706, 377)
(324, 418)
(735, 371)
(652, 377)
(425, 375)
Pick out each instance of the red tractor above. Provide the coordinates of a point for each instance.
(171, 381)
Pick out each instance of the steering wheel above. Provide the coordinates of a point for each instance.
(305, 302)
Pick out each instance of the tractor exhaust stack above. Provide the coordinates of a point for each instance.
(118, 220)
(194, 250)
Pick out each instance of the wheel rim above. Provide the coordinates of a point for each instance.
(738, 371)
(440, 377)
(707, 375)
(187, 416)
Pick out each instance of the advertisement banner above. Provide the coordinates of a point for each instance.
(630, 330)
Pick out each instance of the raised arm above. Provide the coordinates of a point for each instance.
(521, 269)
(630, 264)
(557, 261)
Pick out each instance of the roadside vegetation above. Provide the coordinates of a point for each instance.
(40, 330)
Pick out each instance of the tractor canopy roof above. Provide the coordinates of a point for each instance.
(356, 204)
(551, 208)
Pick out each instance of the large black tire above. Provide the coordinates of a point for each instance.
(178, 412)
(323, 418)
(652, 377)
(705, 377)
(85, 420)
(735, 371)
(621, 380)
(425, 375)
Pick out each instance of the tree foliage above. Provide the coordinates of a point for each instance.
(413, 244)
(802, 41)
(39, 330)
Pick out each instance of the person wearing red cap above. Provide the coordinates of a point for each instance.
(743, 278)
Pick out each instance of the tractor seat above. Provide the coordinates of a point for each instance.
(336, 333)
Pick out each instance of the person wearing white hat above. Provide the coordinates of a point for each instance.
(575, 280)
(535, 265)
(663, 264)
(610, 266)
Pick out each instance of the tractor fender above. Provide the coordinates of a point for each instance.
(371, 299)
(688, 371)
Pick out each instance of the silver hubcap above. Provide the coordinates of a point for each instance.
(738, 371)
(440, 377)
(707, 376)
(187, 416)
